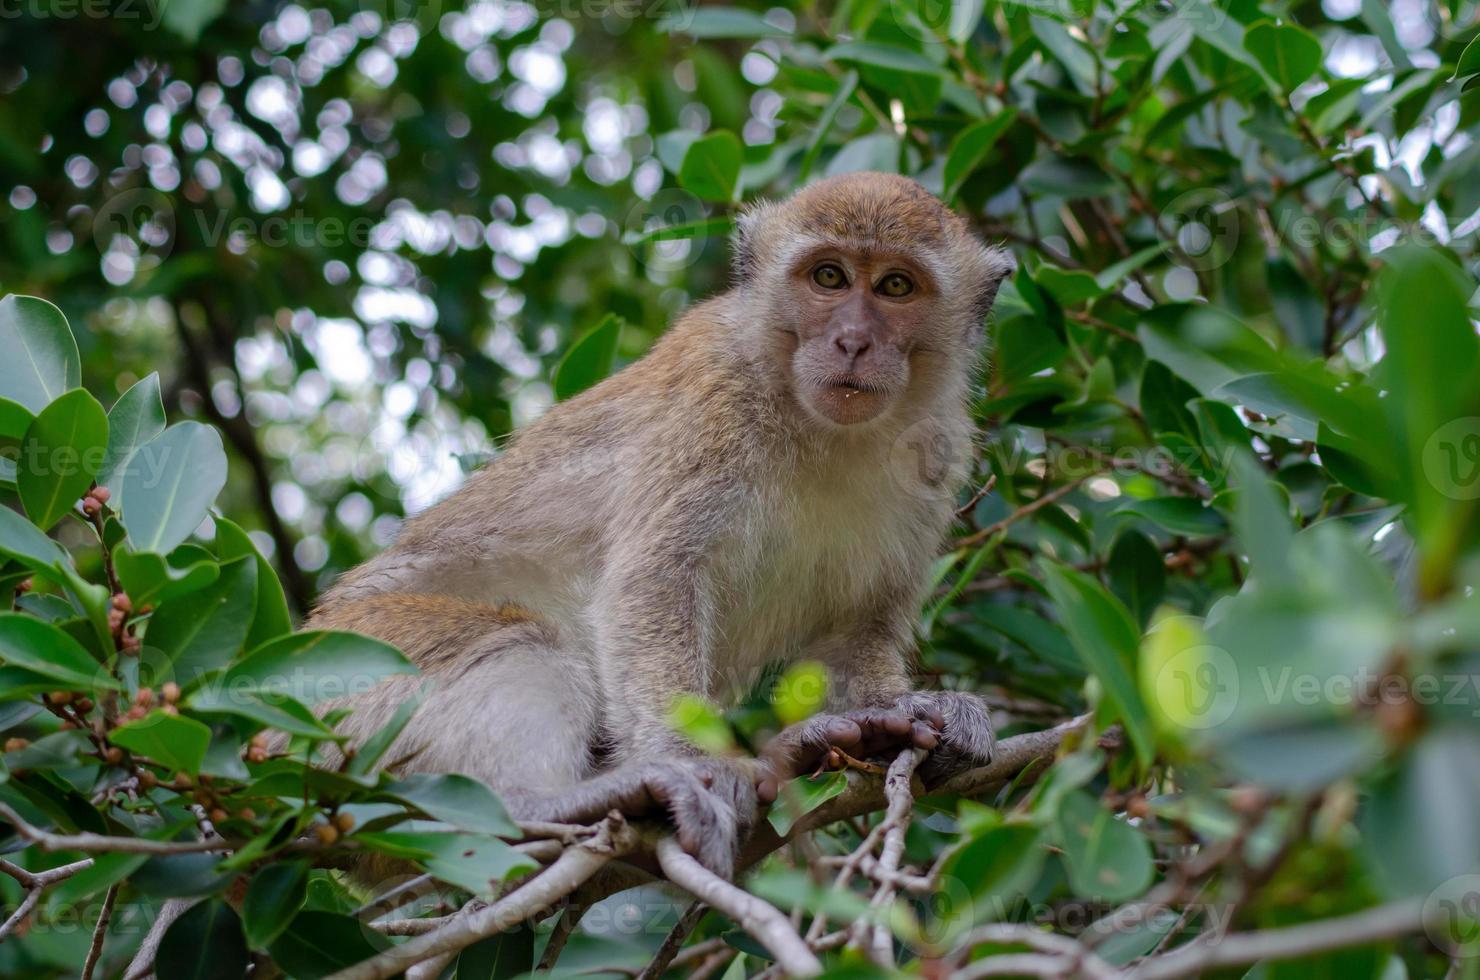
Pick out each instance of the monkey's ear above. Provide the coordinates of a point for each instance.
(748, 225)
(993, 266)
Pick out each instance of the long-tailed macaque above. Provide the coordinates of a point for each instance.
(748, 492)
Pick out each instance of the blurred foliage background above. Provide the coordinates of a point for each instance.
(1230, 424)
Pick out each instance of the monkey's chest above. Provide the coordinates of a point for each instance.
(812, 572)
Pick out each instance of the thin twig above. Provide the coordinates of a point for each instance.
(758, 917)
(99, 842)
(572, 869)
(668, 952)
(100, 932)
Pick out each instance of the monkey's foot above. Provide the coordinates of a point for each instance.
(710, 802)
(803, 747)
(965, 727)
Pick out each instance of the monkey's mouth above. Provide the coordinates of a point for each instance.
(852, 384)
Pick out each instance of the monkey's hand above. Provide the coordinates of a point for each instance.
(966, 736)
(711, 802)
(802, 748)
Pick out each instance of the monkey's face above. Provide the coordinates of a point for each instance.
(858, 317)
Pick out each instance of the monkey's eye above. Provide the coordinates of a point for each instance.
(829, 276)
(896, 284)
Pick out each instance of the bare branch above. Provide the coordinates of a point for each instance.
(143, 961)
(675, 938)
(574, 867)
(99, 842)
(100, 933)
(758, 917)
(34, 883)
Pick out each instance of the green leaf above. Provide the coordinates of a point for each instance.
(1289, 54)
(168, 485)
(502, 957)
(1108, 860)
(1107, 639)
(272, 618)
(171, 740)
(46, 650)
(1137, 574)
(316, 666)
(1262, 522)
(273, 898)
(803, 795)
(150, 579)
(970, 148)
(1432, 373)
(475, 862)
(136, 418)
(887, 56)
(1180, 515)
(841, 95)
(15, 418)
(711, 166)
(187, 18)
(999, 866)
(60, 455)
(589, 360)
(465, 803)
(41, 360)
(204, 630)
(205, 943)
(376, 746)
(1469, 61)
(316, 944)
(22, 541)
(1419, 826)
(719, 22)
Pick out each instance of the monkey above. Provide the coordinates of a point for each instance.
(745, 494)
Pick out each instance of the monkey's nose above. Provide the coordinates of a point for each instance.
(853, 346)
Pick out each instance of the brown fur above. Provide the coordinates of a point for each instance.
(720, 504)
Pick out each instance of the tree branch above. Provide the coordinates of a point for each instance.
(759, 918)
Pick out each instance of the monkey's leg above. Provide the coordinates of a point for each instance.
(510, 706)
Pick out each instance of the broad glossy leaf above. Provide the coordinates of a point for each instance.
(711, 166)
(475, 862)
(970, 148)
(589, 359)
(60, 455)
(203, 630)
(41, 361)
(803, 795)
(150, 579)
(1289, 54)
(40, 647)
(172, 740)
(23, 541)
(1107, 638)
(501, 957)
(1107, 858)
(719, 22)
(273, 898)
(168, 485)
(317, 943)
(465, 803)
(136, 418)
(272, 618)
(205, 943)
(316, 666)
